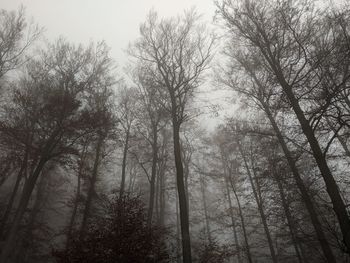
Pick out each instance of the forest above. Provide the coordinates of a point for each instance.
(137, 163)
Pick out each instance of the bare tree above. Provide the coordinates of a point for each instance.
(51, 97)
(264, 96)
(81, 166)
(177, 51)
(17, 35)
(101, 106)
(127, 116)
(257, 195)
(151, 120)
(281, 36)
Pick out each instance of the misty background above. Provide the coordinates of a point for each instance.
(174, 131)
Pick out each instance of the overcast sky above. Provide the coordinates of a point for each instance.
(115, 21)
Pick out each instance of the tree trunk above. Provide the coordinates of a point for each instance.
(161, 195)
(331, 186)
(91, 191)
(10, 203)
(233, 220)
(25, 245)
(186, 175)
(205, 209)
(290, 221)
(76, 202)
(327, 251)
(22, 206)
(125, 153)
(184, 218)
(13, 194)
(178, 236)
(156, 197)
(260, 207)
(153, 176)
(247, 247)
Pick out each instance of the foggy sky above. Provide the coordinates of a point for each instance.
(115, 21)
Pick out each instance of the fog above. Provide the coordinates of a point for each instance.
(174, 131)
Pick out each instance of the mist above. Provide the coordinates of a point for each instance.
(187, 131)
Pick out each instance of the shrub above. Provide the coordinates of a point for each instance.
(121, 235)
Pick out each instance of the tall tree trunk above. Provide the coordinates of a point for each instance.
(239, 259)
(247, 246)
(234, 230)
(327, 251)
(22, 206)
(153, 176)
(25, 245)
(260, 207)
(186, 175)
(76, 201)
(156, 197)
(161, 175)
(290, 221)
(10, 203)
(14, 193)
(320, 158)
(178, 234)
(162, 180)
(184, 218)
(125, 154)
(205, 209)
(91, 191)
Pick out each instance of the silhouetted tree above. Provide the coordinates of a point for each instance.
(176, 51)
(49, 100)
